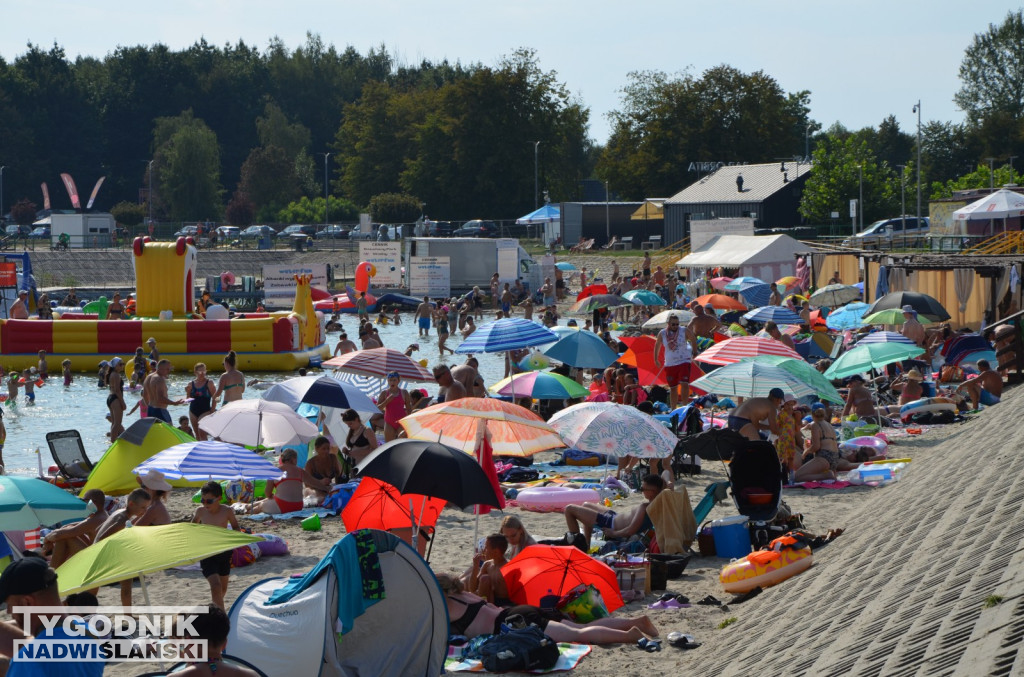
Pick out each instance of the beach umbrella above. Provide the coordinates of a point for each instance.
(375, 504)
(959, 346)
(640, 354)
(739, 283)
(432, 469)
(885, 337)
(834, 295)
(515, 431)
(790, 282)
(973, 357)
(720, 302)
(321, 390)
(823, 388)
(847, 317)
(210, 460)
(613, 429)
(380, 362)
(258, 423)
(582, 349)
(141, 551)
(540, 385)
(565, 266)
(660, 321)
(542, 570)
(776, 314)
(643, 297)
(735, 349)
(925, 305)
(752, 379)
(720, 282)
(890, 316)
(506, 334)
(1002, 204)
(862, 358)
(592, 290)
(28, 502)
(756, 295)
(597, 302)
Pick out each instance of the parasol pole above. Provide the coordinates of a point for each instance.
(412, 517)
(481, 432)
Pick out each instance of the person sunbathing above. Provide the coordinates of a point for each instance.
(822, 460)
(72, 538)
(472, 616)
(285, 495)
(614, 525)
(985, 388)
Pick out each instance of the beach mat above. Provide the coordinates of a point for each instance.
(296, 514)
(569, 656)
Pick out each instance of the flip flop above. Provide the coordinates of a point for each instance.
(649, 645)
(681, 641)
(710, 601)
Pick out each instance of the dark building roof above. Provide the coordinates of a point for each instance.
(759, 183)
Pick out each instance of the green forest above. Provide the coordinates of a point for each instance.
(245, 134)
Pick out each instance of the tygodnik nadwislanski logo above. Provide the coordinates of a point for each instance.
(138, 634)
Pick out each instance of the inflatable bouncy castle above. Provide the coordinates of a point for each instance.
(165, 297)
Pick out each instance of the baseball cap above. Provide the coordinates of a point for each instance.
(116, 361)
(776, 394)
(25, 577)
(816, 406)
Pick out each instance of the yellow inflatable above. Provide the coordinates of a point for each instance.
(764, 568)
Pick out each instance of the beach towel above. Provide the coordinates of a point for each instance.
(569, 656)
(674, 522)
(820, 485)
(297, 514)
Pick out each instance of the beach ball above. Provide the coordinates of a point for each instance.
(535, 361)
(239, 491)
(614, 326)
(423, 363)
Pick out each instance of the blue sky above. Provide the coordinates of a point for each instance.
(861, 60)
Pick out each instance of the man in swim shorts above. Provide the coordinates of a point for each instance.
(984, 389)
(423, 314)
(614, 525)
(154, 392)
(679, 345)
(747, 418)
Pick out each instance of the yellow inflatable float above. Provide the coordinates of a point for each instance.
(766, 567)
(165, 297)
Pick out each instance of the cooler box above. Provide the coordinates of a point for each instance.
(732, 537)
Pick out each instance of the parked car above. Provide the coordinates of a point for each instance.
(188, 231)
(477, 228)
(332, 232)
(439, 228)
(297, 229)
(898, 232)
(256, 232)
(227, 233)
(40, 233)
(14, 230)
(356, 234)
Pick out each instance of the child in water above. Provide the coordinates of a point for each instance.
(43, 368)
(184, 425)
(29, 384)
(12, 388)
(66, 368)
(396, 319)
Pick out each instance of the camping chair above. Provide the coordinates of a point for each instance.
(69, 455)
(611, 242)
(675, 524)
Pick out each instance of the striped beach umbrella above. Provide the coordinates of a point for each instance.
(735, 349)
(885, 337)
(210, 460)
(505, 334)
(847, 317)
(380, 362)
(752, 379)
(776, 314)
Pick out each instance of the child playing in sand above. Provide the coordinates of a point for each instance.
(184, 425)
(216, 569)
(65, 367)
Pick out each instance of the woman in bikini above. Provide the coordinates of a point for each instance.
(395, 404)
(285, 495)
(824, 447)
(200, 390)
(860, 401)
(472, 616)
(115, 400)
(361, 441)
(324, 467)
(232, 382)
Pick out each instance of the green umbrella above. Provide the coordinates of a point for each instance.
(644, 297)
(866, 357)
(823, 388)
(891, 316)
(137, 551)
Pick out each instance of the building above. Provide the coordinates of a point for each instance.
(769, 194)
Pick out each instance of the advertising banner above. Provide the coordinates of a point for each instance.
(430, 276)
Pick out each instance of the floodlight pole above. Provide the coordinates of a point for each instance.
(327, 211)
(536, 145)
(917, 109)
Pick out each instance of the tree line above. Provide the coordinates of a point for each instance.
(246, 134)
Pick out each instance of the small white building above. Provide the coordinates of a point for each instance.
(86, 231)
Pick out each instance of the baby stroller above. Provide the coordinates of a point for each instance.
(755, 476)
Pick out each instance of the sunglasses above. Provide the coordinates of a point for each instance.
(208, 501)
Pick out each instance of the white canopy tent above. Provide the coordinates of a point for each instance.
(1002, 204)
(768, 257)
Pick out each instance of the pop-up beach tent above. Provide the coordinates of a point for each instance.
(768, 257)
(343, 619)
(145, 438)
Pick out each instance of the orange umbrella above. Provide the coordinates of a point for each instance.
(789, 282)
(720, 302)
(515, 431)
(641, 356)
(542, 570)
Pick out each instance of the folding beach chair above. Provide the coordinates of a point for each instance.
(69, 455)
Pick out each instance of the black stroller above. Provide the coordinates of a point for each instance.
(755, 474)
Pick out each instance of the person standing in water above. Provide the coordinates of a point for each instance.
(231, 384)
(115, 399)
(200, 391)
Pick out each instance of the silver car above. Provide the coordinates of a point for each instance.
(901, 232)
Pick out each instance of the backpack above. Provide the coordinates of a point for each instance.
(521, 649)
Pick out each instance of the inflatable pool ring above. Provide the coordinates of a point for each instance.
(364, 271)
(554, 498)
(764, 568)
(926, 404)
(535, 361)
(227, 278)
(614, 326)
(878, 445)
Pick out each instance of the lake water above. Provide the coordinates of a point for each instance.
(82, 405)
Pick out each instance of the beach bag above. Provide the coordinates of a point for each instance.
(583, 604)
(521, 649)
(519, 475)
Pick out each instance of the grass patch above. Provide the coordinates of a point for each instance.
(727, 622)
(992, 600)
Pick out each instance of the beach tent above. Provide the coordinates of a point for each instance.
(549, 216)
(321, 624)
(768, 257)
(145, 438)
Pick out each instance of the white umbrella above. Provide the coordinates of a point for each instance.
(660, 321)
(258, 423)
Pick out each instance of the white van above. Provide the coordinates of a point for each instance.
(901, 232)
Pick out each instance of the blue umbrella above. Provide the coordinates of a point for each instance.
(739, 283)
(565, 266)
(847, 317)
(545, 214)
(757, 294)
(27, 502)
(776, 314)
(195, 461)
(582, 349)
(509, 333)
(885, 337)
(322, 390)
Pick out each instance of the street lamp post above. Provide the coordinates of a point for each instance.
(860, 199)
(149, 193)
(536, 144)
(917, 109)
(326, 196)
(607, 219)
(903, 198)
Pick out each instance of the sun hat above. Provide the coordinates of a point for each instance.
(116, 361)
(908, 309)
(788, 397)
(151, 340)
(914, 375)
(154, 479)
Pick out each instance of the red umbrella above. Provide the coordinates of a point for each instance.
(641, 356)
(592, 290)
(735, 349)
(542, 570)
(378, 505)
(720, 282)
(720, 302)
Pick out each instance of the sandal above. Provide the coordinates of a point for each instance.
(681, 641)
(649, 645)
(710, 601)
